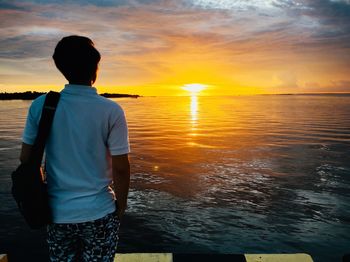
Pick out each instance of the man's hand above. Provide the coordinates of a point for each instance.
(121, 181)
(120, 212)
(25, 153)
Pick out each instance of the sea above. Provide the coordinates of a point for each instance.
(214, 174)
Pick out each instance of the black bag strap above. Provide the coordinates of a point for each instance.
(48, 112)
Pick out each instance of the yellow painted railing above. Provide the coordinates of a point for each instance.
(3, 258)
(168, 257)
(144, 257)
(278, 257)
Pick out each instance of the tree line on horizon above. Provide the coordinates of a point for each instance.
(30, 95)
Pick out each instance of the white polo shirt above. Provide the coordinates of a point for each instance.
(87, 129)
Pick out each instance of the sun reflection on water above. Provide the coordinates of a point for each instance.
(193, 119)
(194, 109)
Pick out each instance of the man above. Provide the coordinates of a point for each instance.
(86, 153)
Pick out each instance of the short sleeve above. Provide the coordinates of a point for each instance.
(31, 127)
(118, 138)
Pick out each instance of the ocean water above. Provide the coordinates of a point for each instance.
(255, 174)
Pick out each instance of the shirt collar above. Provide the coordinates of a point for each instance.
(79, 90)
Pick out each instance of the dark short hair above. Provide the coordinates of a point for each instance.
(77, 58)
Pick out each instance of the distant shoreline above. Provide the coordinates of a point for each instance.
(29, 95)
(310, 94)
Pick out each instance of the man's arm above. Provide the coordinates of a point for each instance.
(25, 153)
(121, 181)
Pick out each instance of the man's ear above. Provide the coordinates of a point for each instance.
(94, 77)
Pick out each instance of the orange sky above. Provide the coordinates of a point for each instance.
(155, 47)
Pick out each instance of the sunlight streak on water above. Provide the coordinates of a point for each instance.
(194, 109)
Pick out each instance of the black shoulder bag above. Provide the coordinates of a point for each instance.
(28, 186)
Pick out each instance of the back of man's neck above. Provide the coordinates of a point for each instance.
(81, 83)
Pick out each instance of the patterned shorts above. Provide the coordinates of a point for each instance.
(89, 241)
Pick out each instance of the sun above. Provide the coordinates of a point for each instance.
(194, 88)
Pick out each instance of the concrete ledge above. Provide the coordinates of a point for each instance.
(144, 257)
(3, 258)
(278, 257)
(209, 257)
(169, 257)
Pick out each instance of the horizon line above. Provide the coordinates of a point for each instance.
(200, 95)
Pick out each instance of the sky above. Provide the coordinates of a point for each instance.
(155, 47)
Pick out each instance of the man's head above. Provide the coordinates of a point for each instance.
(77, 59)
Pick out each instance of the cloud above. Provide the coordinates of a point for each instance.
(339, 86)
(331, 86)
(328, 15)
(137, 23)
(287, 80)
(153, 38)
(4, 5)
